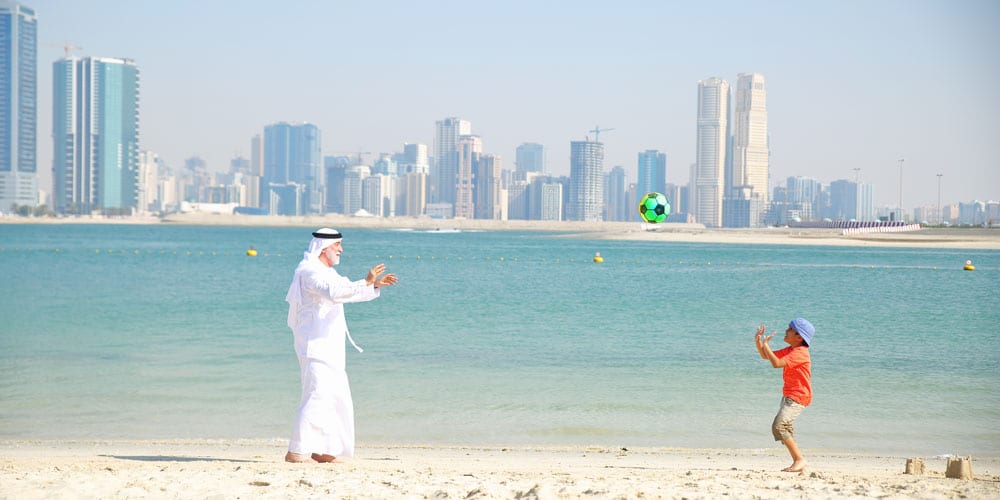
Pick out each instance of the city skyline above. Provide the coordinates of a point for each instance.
(906, 80)
(18, 105)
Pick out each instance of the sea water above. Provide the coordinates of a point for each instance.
(500, 338)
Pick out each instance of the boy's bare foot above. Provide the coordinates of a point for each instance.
(325, 459)
(298, 458)
(797, 466)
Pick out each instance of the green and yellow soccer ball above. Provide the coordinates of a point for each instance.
(654, 208)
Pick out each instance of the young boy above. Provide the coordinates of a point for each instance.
(797, 391)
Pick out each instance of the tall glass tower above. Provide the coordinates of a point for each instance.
(18, 105)
(292, 183)
(95, 135)
(530, 157)
(445, 174)
(751, 156)
(652, 170)
(616, 195)
(586, 181)
(710, 167)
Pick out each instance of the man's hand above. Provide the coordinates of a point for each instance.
(387, 280)
(374, 273)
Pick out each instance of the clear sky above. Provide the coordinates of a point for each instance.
(850, 84)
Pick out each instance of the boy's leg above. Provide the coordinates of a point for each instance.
(798, 461)
(783, 430)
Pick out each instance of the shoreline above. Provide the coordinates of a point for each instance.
(955, 238)
(255, 468)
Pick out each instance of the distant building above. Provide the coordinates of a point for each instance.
(470, 148)
(973, 213)
(519, 200)
(385, 165)
(652, 172)
(147, 195)
(742, 208)
(413, 160)
(354, 178)
(586, 185)
(18, 106)
(530, 157)
(416, 194)
(334, 172)
(376, 197)
(257, 156)
(798, 200)
(552, 197)
(444, 177)
(866, 202)
(95, 132)
(712, 136)
(848, 200)
(284, 199)
(675, 195)
(616, 194)
(292, 156)
(750, 160)
(490, 195)
(532, 193)
(439, 210)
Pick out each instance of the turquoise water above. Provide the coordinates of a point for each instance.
(121, 331)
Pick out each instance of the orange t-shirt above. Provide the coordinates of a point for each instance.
(797, 372)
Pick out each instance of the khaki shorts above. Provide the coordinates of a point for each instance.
(783, 426)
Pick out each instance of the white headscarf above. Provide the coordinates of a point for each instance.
(311, 256)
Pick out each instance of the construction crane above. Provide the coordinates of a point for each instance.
(66, 46)
(597, 132)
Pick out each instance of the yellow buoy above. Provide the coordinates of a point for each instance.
(968, 266)
(251, 252)
(598, 258)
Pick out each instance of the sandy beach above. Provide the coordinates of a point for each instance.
(254, 469)
(958, 238)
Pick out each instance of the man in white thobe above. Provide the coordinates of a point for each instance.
(324, 427)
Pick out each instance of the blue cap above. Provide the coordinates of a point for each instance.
(804, 328)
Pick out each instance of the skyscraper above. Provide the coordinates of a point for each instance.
(470, 148)
(445, 175)
(551, 201)
(18, 105)
(710, 170)
(803, 196)
(530, 157)
(413, 159)
(95, 132)
(652, 172)
(586, 185)
(292, 156)
(416, 194)
(751, 156)
(489, 195)
(376, 195)
(616, 195)
(843, 200)
(148, 179)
